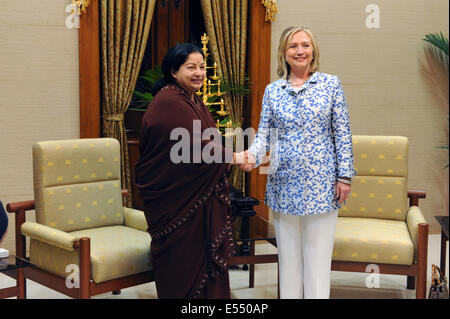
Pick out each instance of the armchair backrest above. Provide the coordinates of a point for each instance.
(379, 189)
(77, 183)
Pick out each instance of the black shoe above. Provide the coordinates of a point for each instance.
(3, 222)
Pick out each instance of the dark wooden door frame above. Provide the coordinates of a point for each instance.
(89, 68)
(259, 62)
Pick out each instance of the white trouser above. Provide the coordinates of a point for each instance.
(305, 248)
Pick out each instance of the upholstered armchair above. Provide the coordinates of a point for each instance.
(378, 225)
(81, 223)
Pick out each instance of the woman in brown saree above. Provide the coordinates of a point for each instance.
(187, 203)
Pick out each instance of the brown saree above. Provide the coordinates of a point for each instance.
(187, 205)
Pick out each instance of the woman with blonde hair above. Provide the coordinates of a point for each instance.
(305, 124)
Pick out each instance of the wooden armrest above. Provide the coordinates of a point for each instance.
(414, 195)
(16, 207)
(19, 208)
(29, 204)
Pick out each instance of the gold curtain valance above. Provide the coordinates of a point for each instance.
(82, 5)
(271, 9)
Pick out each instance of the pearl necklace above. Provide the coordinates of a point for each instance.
(296, 83)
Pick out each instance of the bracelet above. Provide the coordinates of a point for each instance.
(345, 181)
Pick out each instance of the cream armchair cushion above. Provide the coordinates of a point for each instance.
(49, 235)
(77, 183)
(377, 197)
(135, 218)
(379, 189)
(116, 252)
(52, 258)
(373, 240)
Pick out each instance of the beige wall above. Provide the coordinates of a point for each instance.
(38, 90)
(380, 72)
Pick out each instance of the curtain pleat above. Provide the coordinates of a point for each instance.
(125, 26)
(226, 26)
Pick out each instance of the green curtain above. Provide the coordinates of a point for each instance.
(125, 26)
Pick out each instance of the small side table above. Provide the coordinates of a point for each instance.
(443, 221)
(13, 266)
(242, 207)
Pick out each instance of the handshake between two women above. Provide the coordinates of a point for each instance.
(245, 160)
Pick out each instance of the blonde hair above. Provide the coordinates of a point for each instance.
(286, 36)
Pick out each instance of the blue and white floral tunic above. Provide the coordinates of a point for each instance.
(308, 133)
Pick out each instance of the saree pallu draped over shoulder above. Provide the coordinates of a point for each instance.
(187, 205)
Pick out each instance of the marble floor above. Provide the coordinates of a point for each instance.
(344, 285)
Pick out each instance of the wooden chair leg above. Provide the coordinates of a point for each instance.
(21, 284)
(421, 287)
(20, 251)
(278, 280)
(422, 255)
(444, 240)
(85, 267)
(251, 283)
(411, 282)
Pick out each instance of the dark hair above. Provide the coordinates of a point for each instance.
(173, 60)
